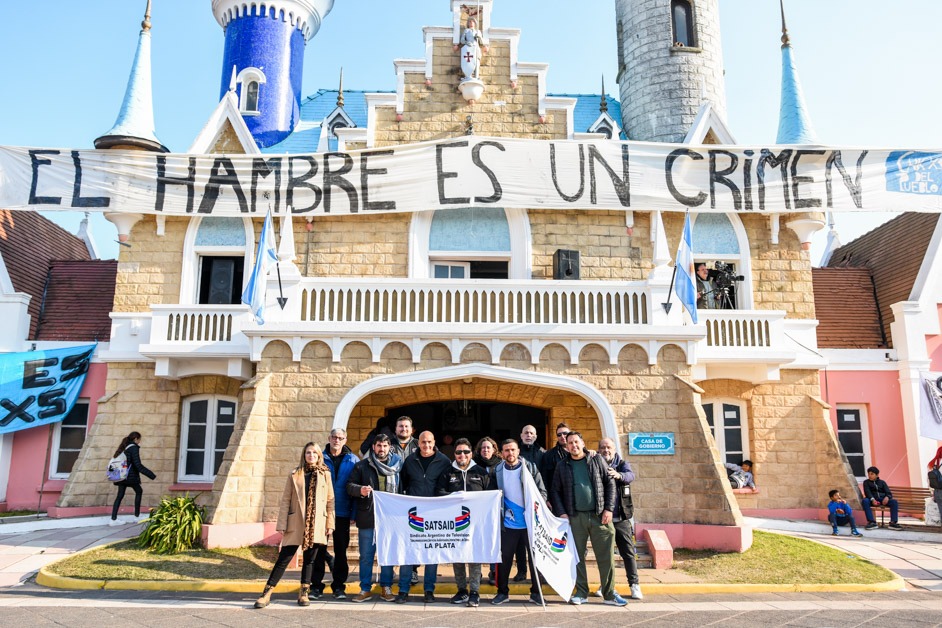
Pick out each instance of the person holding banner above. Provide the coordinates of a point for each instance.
(305, 519)
(584, 493)
(465, 475)
(420, 474)
(130, 446)
(379, 471)
(508, 477)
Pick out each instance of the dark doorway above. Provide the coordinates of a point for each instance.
(473, 419)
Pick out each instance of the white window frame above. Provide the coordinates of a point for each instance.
(720, 439)
(209, 449)
(519, 261)
(193, 254)
(246, 76)
(864, 432)
(57, 441)
(450, 264)
(741, 262)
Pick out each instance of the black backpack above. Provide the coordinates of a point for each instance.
(935, 479)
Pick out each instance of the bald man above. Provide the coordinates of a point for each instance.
(620, 471)
(419, 477)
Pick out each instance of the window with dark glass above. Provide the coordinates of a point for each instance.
(251, 96)
(208, 422)
(850, 433)
(682, 19)
(220, 280)
(69, 436)
(728, 430)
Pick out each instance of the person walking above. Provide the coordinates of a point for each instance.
(935, 463)
(305, 519)
(131, 448)
(584, 493)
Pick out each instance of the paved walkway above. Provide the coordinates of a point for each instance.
(28, 545)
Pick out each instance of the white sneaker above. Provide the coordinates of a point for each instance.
(115, 522)
(598, 593)
(577, 601)
(636, 592)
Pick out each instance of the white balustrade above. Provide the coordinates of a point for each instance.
(197, 324)
(752, 329)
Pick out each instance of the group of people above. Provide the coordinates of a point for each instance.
(876, 495)
(332, 488)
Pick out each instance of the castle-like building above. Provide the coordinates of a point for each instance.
(474, 320)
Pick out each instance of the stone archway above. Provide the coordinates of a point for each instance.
(576, 402)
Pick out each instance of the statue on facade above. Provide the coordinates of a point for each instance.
(471, 45)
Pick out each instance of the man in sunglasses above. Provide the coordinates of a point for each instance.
(464, 475)
(552, 457)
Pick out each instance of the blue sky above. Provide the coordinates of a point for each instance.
(866, 67)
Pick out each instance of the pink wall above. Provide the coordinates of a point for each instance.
(29, 452)
(879, 392)
(934, 347)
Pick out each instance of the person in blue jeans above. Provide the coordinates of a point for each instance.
(840, 513)
(877, 493)
(379, 471)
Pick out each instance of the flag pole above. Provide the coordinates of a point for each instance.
(536, 575)
(42, 482)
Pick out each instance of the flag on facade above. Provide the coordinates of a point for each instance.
(265, 256)
(930, 406)
(459, 528)
(551, 544)
(685, 286)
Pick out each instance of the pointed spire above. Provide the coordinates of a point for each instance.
(603, 103)
(340, 91)
(794, 125)
(134, 127)
(234, 81)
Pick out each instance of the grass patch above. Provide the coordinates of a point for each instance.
(779, 559)
(126, 561)
(17, 513)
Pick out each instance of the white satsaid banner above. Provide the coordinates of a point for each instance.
(462, 527)
(930, 405)
(477, 171)
(554, 553)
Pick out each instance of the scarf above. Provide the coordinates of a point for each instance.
(309, 507)
(390, 472)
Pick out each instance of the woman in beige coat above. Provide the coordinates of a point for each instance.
(306, 519)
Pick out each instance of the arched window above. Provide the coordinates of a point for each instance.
(215, 251)
(470, 243)
(251, 96)
(682, 21)
(719, 241)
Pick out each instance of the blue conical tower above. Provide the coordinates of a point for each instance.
(794, 123)
(134, 127)
(264, 58)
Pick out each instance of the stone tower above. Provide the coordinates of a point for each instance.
(670, 62)
(264, 58)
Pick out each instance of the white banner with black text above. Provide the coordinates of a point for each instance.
(551, 545)
(462, 527)
(477, 171)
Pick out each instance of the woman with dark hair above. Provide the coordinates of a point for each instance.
(486, 454)
(130, 446)
(305, 518)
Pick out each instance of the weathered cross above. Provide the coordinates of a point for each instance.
(468, 57)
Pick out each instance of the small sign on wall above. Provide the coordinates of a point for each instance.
(651, 444)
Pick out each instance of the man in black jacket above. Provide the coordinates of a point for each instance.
(620, 471)
(552, 457)
(420, 474)
(379, 471)
(584, 493)
(531, 451)
(877, 493)
(464, 475)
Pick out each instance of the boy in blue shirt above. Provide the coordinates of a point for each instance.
(840, 512)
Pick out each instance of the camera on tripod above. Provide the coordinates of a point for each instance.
(723, 277)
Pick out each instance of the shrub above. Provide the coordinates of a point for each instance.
(174, 526)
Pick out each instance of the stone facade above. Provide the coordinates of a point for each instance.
(289, 402)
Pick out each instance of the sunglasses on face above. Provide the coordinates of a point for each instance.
(464, 452)
(561, 434)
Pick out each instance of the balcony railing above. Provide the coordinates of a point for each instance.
(475, 301)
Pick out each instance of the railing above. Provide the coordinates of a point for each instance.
(746, 329)
(474, 301)
(195, 323)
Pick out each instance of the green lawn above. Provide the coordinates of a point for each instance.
(779, 559)
(17, 513)
(125, 561)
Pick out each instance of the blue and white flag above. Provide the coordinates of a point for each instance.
(685, 286)
(41, 387)
(265, 256)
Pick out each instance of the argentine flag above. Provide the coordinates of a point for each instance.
(686, 286)
(265, 256)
